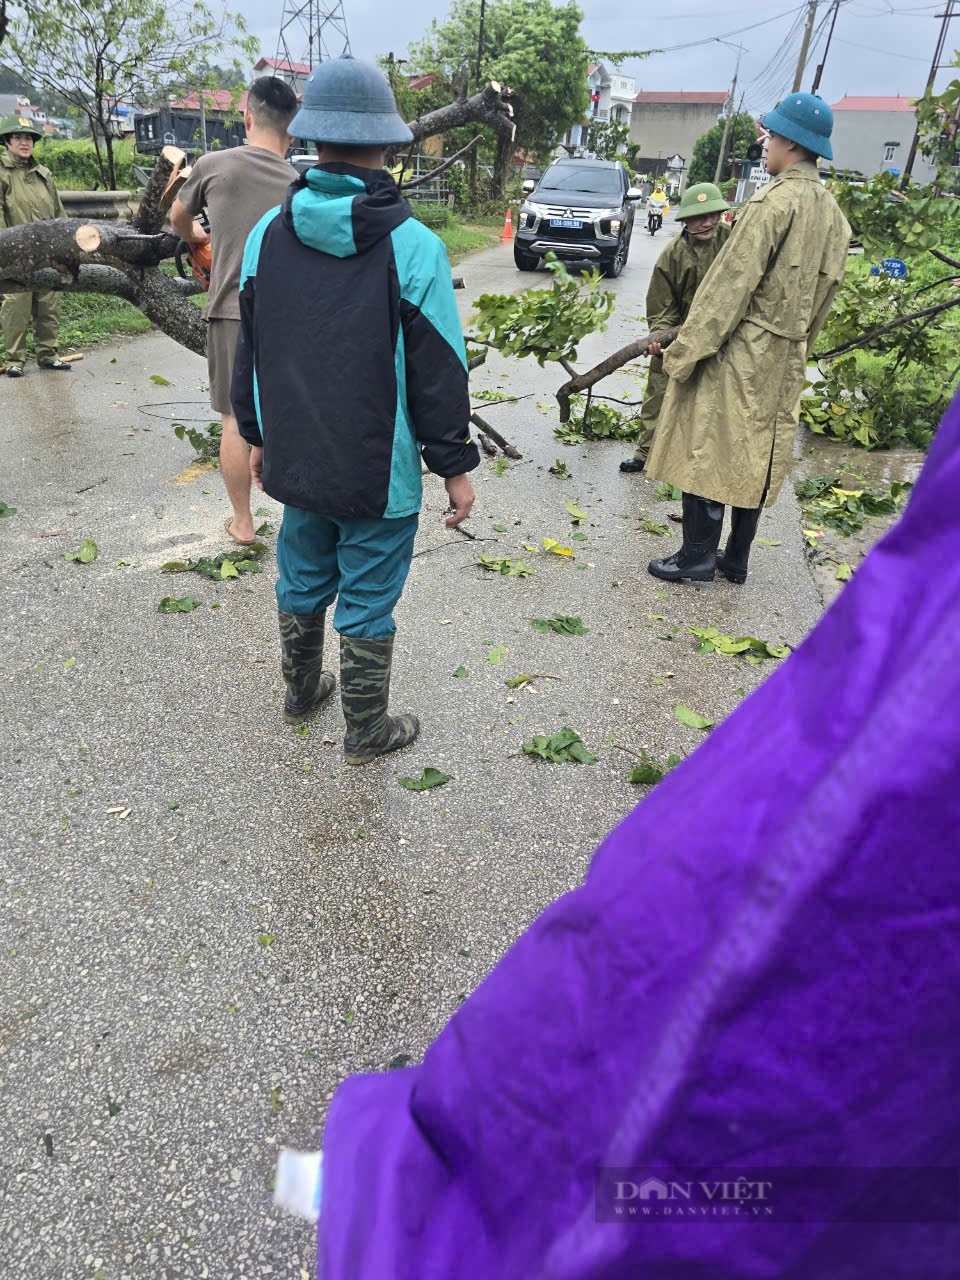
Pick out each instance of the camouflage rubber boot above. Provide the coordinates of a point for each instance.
(301, 661)
(365, 693)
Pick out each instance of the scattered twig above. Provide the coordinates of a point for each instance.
(86, 487)
(476, 361)
(488, 447)
(509, 449)
(628, 750)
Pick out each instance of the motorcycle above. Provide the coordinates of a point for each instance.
(654, 221)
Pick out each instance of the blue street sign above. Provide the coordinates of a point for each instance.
(895, 267)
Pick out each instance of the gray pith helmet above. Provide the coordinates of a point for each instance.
(349, 102)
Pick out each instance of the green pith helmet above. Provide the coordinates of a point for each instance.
(17, 124)
(702, 197)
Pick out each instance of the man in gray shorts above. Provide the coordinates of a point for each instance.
(237, 187)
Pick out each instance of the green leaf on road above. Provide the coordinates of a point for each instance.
(504, 565)
(562, 747)
(649, 773)
(691, 718)
(651, 526)
(276, 1100)
(561, 624)
(499, 528)
(496, 655)
(86, 555)
(159, 380)
(70, 662)
(753, 649)
(575, 512)
(461, 673)
(767, 543)
(266, 939)
(229, 570)
(6, 511)
(429, 779)
(844, 572)
(178, 604)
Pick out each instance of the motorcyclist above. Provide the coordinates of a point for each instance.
(656, 205)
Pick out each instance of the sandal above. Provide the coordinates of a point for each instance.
(14, 370)
(61, 366)
(244, 542)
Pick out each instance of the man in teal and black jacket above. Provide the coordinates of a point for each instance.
(350, 373)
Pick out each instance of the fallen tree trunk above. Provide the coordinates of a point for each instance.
(123, 259)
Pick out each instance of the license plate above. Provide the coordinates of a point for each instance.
(570, 223)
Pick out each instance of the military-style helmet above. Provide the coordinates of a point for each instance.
(17, 124)
(803, 118)
(349, 102)
(702, 197)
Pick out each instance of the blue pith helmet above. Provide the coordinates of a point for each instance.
(803, 118)
(349, 102)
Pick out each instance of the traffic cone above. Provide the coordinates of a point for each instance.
(507, 233)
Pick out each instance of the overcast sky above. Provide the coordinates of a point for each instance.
(879, 46)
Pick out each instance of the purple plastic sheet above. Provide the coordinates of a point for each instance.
(761, 971)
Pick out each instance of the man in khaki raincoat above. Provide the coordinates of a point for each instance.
(736, 370)
(677, 276)
(27, 194)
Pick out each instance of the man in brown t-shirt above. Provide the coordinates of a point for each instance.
(237, 187)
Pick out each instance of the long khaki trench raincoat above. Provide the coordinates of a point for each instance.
(27, 194)
(736, 370)
(675, 279)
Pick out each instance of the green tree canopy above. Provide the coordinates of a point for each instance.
(703, 164)
(93, 53)
(606, 138)
(530, 46)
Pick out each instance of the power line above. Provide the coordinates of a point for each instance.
(888, 53)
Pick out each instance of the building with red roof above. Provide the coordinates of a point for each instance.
(874, 133)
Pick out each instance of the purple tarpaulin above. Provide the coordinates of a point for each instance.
(761, 969)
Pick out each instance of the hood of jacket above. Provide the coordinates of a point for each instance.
(342, 210)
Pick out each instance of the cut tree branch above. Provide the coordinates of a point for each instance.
(165, 181)
(491, 106)
(951, 262)
(584, 381)
(885, 328)
(441, 168)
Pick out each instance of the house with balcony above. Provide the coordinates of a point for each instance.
(611, 98)
(871, 134)
(666, 123)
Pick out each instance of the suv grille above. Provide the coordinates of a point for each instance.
(564, 211)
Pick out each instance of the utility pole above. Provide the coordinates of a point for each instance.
(822, 63)
(808, 32)
(947, 14)
(726, 124)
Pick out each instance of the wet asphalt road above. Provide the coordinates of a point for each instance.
(183, 985)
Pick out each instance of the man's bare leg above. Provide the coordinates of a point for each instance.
(235, 465)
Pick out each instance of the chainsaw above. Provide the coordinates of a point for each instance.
(197, 258)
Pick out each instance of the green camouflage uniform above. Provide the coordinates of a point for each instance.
(675, 279)
(27, 194)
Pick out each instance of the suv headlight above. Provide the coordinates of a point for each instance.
(609, 222)
(529, 213)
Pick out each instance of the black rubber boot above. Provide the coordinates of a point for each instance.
(633, 464)
(301, 661)
(365, 667)
(697, 558)
(732, 562)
